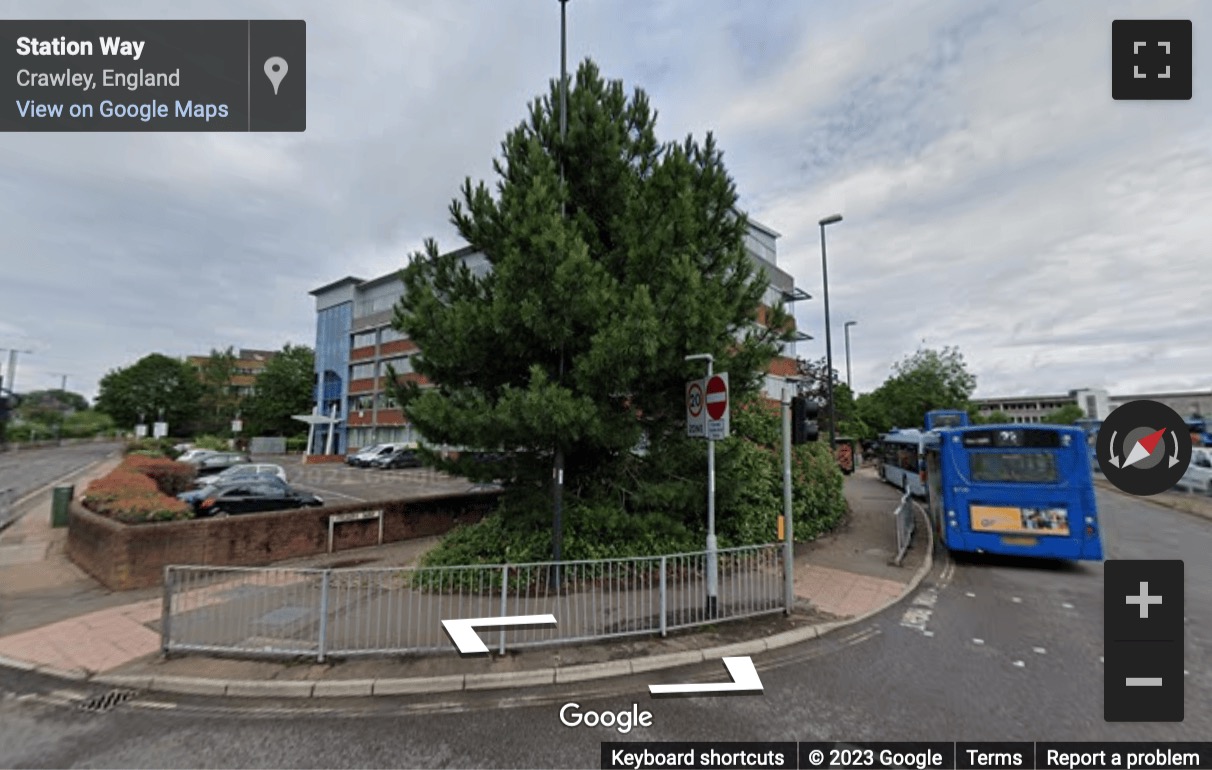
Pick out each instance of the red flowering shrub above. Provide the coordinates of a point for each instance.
(171, 477)
(135, 492)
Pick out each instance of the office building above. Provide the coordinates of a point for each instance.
(355, 342)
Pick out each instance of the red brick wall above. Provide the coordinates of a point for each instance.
(124, 557)
(397, 346)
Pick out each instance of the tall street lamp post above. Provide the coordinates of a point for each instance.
(846, 328)
(557, 534)
(828, 337)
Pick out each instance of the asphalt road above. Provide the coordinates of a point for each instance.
(986, 649)
(24, 471)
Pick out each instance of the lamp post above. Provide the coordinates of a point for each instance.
(846, 328)
(557, 524)
(828, 337)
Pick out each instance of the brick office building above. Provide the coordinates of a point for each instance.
(355, 342)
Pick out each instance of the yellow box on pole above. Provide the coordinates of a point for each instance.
(781, 536)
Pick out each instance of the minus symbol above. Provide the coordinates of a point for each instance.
(1143, 681)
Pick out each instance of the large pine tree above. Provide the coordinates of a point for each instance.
(601, 282)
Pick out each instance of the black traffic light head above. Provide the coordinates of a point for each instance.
(803, 420)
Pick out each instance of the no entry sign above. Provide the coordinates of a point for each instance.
(717, 406)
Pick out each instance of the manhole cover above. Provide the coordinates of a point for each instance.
(284, 615)
(99, 704)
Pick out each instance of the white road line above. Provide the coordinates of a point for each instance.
(1016, 600)
(1067, 605)
(969, 594)
(1039, 650)
(927, 633)
(978, 641)
(1019, 664)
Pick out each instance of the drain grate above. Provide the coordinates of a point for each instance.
(99, 704)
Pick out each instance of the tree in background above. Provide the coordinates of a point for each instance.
(1065, 415)
(850, 423)
(577, 335)
(993, 418)
(218, 402)
(155, 382)
(285, 387)
(928, 379)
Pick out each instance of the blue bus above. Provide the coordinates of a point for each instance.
(1200, 435)
(1024, 490)
(902, 460)
(946, 418)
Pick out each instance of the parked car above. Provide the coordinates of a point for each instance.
(255, 495)
(353, 458)
(194, 455)
(218, 462)
(365, 458)
(240, 472)
(401, 458)
(1198, 477)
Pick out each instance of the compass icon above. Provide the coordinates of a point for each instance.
(1143, 447)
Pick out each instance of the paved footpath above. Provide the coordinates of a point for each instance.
(56, 619)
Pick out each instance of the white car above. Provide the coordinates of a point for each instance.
(194, 455)
(242, 471)
(1198, 477)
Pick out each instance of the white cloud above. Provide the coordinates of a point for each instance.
(995, 196)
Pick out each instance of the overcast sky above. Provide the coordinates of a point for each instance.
(995, 197)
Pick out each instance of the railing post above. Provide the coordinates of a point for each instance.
(504, 601)
(166, 610)
(664, 599)
(322, 642)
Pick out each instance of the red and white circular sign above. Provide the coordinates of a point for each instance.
(717, 397)
(694, 399)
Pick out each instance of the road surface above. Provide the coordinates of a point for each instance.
(986, 649)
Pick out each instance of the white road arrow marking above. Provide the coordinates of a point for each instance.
(744, 679)
(463, 634)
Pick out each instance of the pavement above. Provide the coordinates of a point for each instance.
(56, 620)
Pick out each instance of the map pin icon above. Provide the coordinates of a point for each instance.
(275, 70)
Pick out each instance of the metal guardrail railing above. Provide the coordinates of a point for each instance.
(906, 523)
(284, 612)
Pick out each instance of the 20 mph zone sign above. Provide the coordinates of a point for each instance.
(707, 407)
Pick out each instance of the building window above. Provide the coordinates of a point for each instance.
(364, 339)
(361, 371)
(361, 403)
(390, 334)
(387, 401)
(402, 365)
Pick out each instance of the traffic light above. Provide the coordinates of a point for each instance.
(803, 420)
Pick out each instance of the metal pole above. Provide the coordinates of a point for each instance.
(557, 523)
(712, 555)
(788, 540)
(828, 335)
(848, 381)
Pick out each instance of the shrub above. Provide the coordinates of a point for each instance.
(137, 510)
(171, 477)
(296, 444)
(212, 442)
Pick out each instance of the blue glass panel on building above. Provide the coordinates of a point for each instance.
(333, 326)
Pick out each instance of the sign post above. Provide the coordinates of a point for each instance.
(715, 427)
(696, 423)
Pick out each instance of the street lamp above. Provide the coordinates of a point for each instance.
(828, 338)
(846, 328)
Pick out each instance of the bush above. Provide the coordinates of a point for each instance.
(171, 477)
(296, 444)
(140, 490)
(212, 442)
(158, 508)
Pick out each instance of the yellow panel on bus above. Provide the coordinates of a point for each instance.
(1041, 521)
